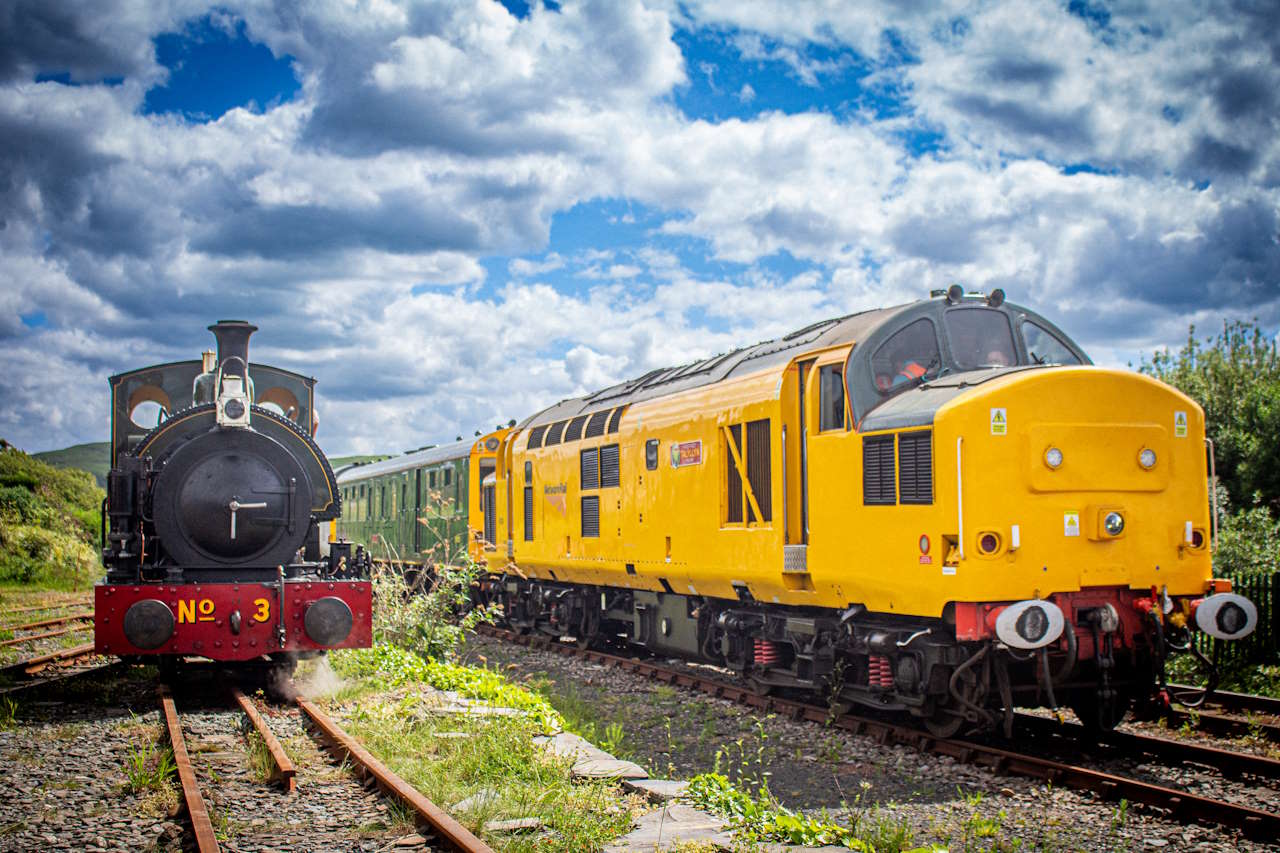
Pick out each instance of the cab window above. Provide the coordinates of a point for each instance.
(980, 338)
(911, 354)
(1045, 347)
(831, 397)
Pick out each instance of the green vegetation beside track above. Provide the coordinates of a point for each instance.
(49, 524)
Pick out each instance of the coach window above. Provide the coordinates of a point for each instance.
(382, 502)
(1044, 347)
(448, 476)
(431, 479)
(911, 354)
(831, 397)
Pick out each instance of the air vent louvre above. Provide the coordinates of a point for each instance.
(528, 513)
(535, 437)
(590, 516)
(878, 485)
(610, 466)
(915, 467)
(759, 469)
(589, 466)
(574, 431)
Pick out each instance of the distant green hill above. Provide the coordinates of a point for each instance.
(341, 461)
(94, 457)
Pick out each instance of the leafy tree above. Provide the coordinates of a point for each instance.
(1235, 377)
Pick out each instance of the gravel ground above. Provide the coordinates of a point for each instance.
(65, 787)
(676, 733)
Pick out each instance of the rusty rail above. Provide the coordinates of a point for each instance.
(455, 835)
(45, 623)
(206, 840)
(1229, 762)
(1222, 725)
(30, 666)
(17, 641)
(285, 770)
(1235, 701)
(1179, 804)
(48, 607)
(34, 684)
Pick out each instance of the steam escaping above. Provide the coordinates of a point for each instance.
(320, 682)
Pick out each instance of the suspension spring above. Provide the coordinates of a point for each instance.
(879, 671)
(765, 652)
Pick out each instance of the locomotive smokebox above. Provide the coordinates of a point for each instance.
(233, 345)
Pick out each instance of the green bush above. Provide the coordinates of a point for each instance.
(1248, 542)
(49, 523)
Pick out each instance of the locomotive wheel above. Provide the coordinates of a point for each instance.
(1097, 716)
(944, 723)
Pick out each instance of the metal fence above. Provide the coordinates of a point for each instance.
(1263, 645)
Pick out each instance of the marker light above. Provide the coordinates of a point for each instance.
(1113, 523)
(1053, 457)
(1147, 458)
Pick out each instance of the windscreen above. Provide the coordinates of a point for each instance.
(980, 337)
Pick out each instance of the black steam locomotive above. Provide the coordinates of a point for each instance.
(215, 501)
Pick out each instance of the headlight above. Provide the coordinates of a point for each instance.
(1053, 457)
(1113, 524)
(1147, 458)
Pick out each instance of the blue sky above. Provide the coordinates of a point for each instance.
(416, 200)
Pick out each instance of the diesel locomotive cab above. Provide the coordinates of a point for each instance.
(215, 514)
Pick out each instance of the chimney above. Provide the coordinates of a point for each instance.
(233, 344)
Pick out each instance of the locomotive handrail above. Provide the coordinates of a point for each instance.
(1213, 493)
(959, 496)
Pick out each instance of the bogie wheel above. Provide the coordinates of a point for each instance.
(1098, 716)
(944, 723)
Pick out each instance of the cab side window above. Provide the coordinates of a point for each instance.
(1044, 347)
(831, 397)
(911, 354)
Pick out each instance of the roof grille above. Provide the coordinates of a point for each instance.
(553, 434)
(574, 432)
(615, 419)
(596, 425)
(535, 437)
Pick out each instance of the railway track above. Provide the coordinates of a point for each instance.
(60, 658)
(46, 623)
(1179, 805)
(443, 831)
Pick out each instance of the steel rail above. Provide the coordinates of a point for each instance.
(1222, 725)
(30, 666)
(454, 834)
(1234, 701)
(1229, 762)
(17, 641)
(48, 607)
(62, 676)
(1182, 806)
(206, 840)
(285, 770)
(45, 623)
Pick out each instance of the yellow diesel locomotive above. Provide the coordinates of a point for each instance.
(941, 509)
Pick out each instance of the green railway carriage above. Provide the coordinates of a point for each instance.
(410, 509)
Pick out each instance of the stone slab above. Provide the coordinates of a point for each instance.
(589, 761)
(657, 790)
(519, 824)
(673, 824)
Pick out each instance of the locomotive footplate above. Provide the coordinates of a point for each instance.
(232, 621)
